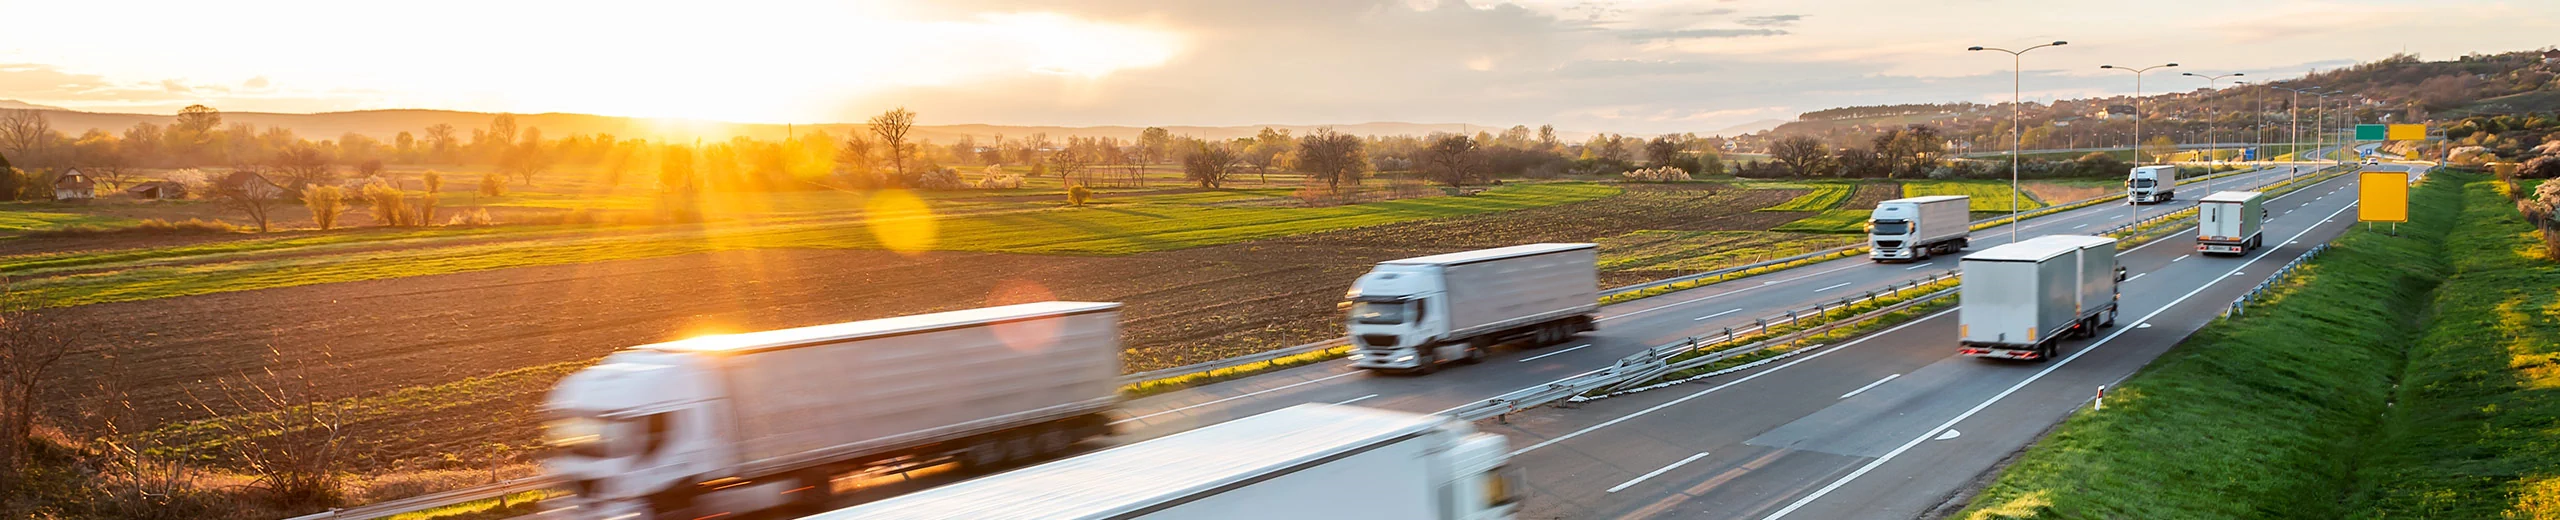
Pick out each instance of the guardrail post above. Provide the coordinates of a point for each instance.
(1791, 317)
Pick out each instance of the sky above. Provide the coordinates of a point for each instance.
(1630, 66)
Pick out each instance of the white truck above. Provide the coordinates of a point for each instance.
(1917, 227)
(743, 422)
(1304, 462)
(1415, 313)
(2022, 299)
(2230, 222)
(2151, 185)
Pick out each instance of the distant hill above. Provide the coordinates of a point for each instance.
(384, 124)
(1745, 128)
(12, 104)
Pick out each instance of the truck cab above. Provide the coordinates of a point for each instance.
(633, 435)
(1399, 318)
(2151, 185)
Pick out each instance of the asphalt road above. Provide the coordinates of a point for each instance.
(1887, 426)
(1624, 329)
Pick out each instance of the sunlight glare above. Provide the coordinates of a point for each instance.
(900, 221)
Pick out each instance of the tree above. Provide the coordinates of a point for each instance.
(1155, 143)
(525, 161)
(492, 185)
(853, 161)
(440, 141)
(250, 192)
(25, 132)
(1268, 148)
(1208, 164)
(1802, 155)
(502, 129)
(434, 182)
(1453, 160)
(2158, 146)
(326, 204)
(1547, 137)
(390, 207)
(303, 166)
(677, 184)
(30, 345)
(1661, 151)
(369, 168)
(892, 127)
(100, 155)
(9, 179)
(1068, 162)
(1333, 156)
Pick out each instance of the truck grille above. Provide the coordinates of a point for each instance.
(1378, 340)
(1889, 244)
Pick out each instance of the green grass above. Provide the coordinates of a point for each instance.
(1833, 221)
(1101, 230)
(1658, 250)
(1823, 197)
(517, 505)
(1988, 196)
(2255, 417)
(34, 220)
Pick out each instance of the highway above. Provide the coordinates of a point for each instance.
(1885, 426)
(1624, 329)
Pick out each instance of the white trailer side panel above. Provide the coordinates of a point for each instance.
(1521, 290)
(2058, 284)
(1945, 218)
(815, 402)
(2000, 302)
(2097, 277)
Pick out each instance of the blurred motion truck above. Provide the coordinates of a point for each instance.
(1311, 461)
(2022, 299)
(1917, 227)
(742, 422)
(2151, 184)
(1415, 313)
(2230, 222)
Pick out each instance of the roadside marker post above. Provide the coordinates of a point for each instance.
(2102, 398)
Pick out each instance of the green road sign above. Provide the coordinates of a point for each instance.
(2373, 132)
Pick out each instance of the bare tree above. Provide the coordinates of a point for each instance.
(1661, 151)
(302, 166)
(440, 141)
(1453, 160)
(1208, 164)
(251, 193)
(292, 437)
(30, 346)
(1069, 162)
(1803, 155)
(854, 160)
(892, 127)
(1333, 156)
(25, 133)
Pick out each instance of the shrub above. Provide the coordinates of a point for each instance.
(491, 185)
(390, 207)
(1077, 195)
(2544, 167)
(144, 227)
(475, 217)
(325, 203)
(939, 179)
(1658, 174)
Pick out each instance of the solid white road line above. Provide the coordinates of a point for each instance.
(2180, 257)
(1869, 385)
(1842, 284)
(1356, 399)
(1712, 389)
(1995, 398)
(1706, 317)
(1658, 472)
(1919, 266)
(2135, 276)
(1727, 293)
(1240, 396)
(2079, 226)
(1535, 358)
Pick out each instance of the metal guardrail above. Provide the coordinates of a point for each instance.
(2241, 305)
(434, 500)
(1644, 366)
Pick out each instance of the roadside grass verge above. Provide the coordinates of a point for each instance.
(2256, 417)
(1988, 196)
(1147, 388)
(1746, 273)
(1824, 196)
(511, 506)
(1075, 231)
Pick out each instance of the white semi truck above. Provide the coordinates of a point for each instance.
(743, 422)
(2151, 185)
(1416, 313)
(2231, 222)
(1310, 461)
(1917, 227)
(2021, 300)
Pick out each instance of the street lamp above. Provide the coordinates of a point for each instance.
(2017, 64)
(2293, 118)
(2137, 104)
(2213, 149)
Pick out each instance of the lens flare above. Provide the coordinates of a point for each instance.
(900, 221)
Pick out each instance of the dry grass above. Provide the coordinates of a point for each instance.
(2058, 193)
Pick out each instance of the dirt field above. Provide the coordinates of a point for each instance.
(1183, 306)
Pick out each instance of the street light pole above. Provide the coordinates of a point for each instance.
(2293, 119)
(2137, 104)
(2017, 73)
(2213, 149)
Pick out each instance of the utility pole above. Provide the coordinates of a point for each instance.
(2213, 152)
(2017, 63)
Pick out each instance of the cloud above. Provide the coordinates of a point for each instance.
(1688, 34)
(1630, 68)
(1775, 20)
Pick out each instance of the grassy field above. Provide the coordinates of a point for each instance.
(1823, 197)
(11, 219)
(1988, 196)
(1100, 230)
(2291, 410)
(1833, 221)
(1706, 250)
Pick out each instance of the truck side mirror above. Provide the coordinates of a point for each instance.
(2119, 274)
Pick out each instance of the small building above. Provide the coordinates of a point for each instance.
(2114, 111)
(2551, 57)
(73, 185)
(158, 190)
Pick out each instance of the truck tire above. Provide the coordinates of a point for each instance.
(1474, 354)
(1427, 360)
(1018, 448)
(1053, 441)
(987, 453)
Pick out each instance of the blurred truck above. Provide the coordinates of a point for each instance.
(744, 422)
(1918, 227)
(2022, 299)
(1304, 462)
(2230, 222)
(2151, 185)
(1416, 313)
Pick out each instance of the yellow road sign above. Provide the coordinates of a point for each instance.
(2408, 132)
(2382, 197)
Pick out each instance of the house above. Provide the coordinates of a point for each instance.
(2551, 57)
(251, 184)
(73, 185)
(158, 190)
(2114, 111)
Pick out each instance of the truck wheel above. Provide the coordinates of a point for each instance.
(1053, 441)
(1474, 355)
(986, 454)
(1019, 448)
(1427, 361)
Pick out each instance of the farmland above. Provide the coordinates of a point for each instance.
(1823, 197)
(1851, 216)
(1988, 196)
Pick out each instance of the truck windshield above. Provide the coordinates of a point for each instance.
(1378, 313)
(2142, 182)
(1892, 227)
(583, 436)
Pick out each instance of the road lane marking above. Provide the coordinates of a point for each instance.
(1658, 472)
(1919, 266)
(1535, 358)
(1357, 399)
(1712, 389)
(1842, 284)
(1240, 396)
(1869, 385)
(2004, 394)
(2136, 276)
(2180, 257)
(1704, 318)
(1950, 434)
(2079, 226)
(1729, 293)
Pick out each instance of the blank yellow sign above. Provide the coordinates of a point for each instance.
(2382, 197)
(2408, 132)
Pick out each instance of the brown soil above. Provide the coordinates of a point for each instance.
(1183, 306)
(1870, 193)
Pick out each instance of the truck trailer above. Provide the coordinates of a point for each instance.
(2151, 185)
(1416, 313)
(2231, 222)
(1309, 461)
(744, 422)
(2021, 300)
(1918, 227)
